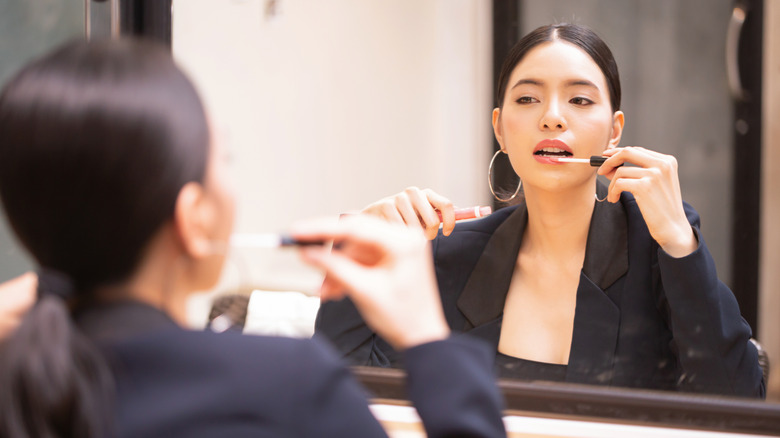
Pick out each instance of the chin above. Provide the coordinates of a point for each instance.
(560, 182)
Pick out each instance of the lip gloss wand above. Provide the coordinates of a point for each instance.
(594, 161)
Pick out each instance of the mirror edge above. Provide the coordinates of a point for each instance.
(594, 403)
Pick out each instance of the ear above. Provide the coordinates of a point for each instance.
(190, 221)
(499, 133)
(618, 120)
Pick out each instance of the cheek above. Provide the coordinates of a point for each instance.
(596, 129)
(228, 210)
(224, 204)
(516, 127)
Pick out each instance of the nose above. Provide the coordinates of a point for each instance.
(552, 119)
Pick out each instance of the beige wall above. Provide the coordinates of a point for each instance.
(769, 301)
(333, 104)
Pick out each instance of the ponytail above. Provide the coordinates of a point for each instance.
(54, 382)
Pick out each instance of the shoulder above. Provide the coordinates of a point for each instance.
(478, 230)
(270, 351)
(487, 224)
(226, 357)
(463, 247)
(177, 379)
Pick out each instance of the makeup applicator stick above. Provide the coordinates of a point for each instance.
(594, 161)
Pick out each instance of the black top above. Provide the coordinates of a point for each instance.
(524, 369)
(642, 318)
(172, 382)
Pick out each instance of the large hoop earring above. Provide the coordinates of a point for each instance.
(596, 195)
(490, 181)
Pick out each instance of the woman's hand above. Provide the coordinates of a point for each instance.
(654, 182)
(387, 271)
(417, 209)
(16, 297)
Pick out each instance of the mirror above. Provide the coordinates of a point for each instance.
(554, 410)
(348, 109)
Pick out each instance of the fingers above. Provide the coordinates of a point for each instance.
(655, 170)
(618, 180)
(427, 215)
(18, 294)
(337, 268)
(637, 156)
(388, 210)
(631, 185)
(417, 209)
(385, 209)
(404, 205)
(394, 289)
(16, 298)
(445, 207)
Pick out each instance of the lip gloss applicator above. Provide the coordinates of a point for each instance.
(594, 161)
(268, 240)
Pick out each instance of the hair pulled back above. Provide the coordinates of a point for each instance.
(96, 141)
(578, 35)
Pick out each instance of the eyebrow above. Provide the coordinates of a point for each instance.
(569, 83)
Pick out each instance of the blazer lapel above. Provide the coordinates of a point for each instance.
(594, 339)
(489, 332)
(597, 315)
(483, 296)
(606, 250)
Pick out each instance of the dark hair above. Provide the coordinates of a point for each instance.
(582, 37)
(96, 141)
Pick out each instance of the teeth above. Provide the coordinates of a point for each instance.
(552, 152)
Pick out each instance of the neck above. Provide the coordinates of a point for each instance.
(558, 222)
(159, 281)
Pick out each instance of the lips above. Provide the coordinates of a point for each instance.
(552, 148)
(548, 150)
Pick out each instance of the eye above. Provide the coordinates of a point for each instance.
(525, 100)
(581, 101)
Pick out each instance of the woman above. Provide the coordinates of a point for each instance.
(566, 286)
(110, 177)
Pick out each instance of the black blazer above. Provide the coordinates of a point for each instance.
(173, 382)
(642, 319)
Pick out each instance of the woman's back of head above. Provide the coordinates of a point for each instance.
(96, 141)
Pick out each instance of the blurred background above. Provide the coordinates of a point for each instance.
(328, 105)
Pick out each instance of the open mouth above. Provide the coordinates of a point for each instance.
(553, 152)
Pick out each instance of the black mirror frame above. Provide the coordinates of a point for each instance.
(605, 404)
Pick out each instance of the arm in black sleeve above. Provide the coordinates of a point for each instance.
(340, 323)
(330, 402)
(710, 336)
(452, 385)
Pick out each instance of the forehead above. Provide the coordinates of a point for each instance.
(558, 61)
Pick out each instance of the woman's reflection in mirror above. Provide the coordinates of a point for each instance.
(565, 287)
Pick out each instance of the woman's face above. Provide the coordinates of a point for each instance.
(556, 104)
